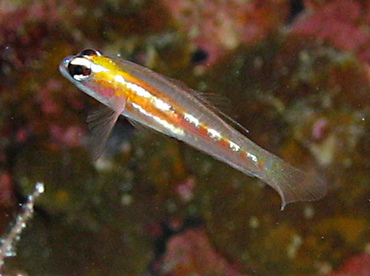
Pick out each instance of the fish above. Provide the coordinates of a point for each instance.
(170, 107)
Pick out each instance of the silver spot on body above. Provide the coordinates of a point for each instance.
(233, 146)
(214, 134)
(191, 119)
(252, 157)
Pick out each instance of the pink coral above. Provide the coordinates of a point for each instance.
(192, 253)
(220, 26)
(49, 106)
(70, 136)
(6, 189)
(319, 129)
(340, 23)
(185, 189)
(359, 266)
(25, 27)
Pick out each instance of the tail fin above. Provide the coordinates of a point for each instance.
(293, 184)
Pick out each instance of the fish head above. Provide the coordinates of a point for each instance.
(93, 73)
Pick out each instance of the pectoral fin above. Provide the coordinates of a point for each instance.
(101, 123)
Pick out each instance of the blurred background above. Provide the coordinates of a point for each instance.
(296, 74)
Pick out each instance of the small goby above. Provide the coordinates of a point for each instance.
(172, 108)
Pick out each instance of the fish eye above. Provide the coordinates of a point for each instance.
(89, 52)
(79, 68)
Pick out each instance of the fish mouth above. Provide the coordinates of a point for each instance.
(63, 66)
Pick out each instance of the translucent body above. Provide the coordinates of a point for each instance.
(173, 109)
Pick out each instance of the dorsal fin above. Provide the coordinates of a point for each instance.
(220, 113)
(207, 99)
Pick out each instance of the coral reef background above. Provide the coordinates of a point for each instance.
(296, 74)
